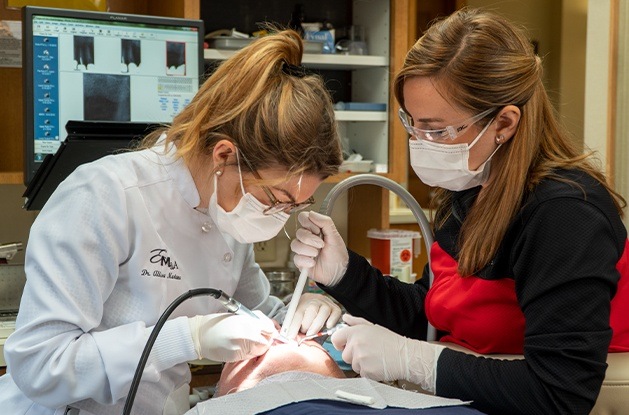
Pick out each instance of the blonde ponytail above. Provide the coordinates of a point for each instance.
(259, 101)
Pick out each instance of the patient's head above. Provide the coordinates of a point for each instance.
(280, 358)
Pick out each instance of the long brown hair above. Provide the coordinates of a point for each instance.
(263, 101)
(480, 60)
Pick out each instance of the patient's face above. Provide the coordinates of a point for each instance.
(308, 357)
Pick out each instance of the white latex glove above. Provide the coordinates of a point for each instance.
(312, 313)
(227, 337)
(319, 247)
(380, 354)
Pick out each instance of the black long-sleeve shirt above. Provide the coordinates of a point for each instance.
(561, 250)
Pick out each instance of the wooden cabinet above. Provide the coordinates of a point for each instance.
(188, 9)
(11, 144)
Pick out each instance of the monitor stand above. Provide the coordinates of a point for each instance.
(87, 141)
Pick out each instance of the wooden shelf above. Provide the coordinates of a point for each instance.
(11, 177)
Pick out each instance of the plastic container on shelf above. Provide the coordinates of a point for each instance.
(392, 251)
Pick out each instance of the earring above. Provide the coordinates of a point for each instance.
(500, 139)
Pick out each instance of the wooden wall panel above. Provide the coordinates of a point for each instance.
(11, 129)
(368, 207)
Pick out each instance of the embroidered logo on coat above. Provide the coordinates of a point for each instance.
(160, 257)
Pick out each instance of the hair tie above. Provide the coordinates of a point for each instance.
(292, 70)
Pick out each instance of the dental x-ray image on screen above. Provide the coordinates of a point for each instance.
(83, 51)
(175, 58)
(131, 53)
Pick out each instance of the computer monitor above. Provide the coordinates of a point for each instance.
(93, 66)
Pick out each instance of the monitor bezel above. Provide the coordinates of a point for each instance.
(28, 12)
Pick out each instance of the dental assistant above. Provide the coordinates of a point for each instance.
(124, 236)
(530, 254)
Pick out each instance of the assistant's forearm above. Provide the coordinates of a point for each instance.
(383, 300)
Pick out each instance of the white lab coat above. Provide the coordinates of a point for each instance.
(117, 242)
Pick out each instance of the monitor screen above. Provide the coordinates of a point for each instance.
(103, 67)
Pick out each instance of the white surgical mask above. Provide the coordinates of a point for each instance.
(447, 165)
(247, 222)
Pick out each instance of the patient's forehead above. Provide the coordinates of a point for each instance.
(281, 356)
(308, 357)
(306, 349)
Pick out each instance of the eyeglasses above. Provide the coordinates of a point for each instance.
(443, 134)
(277, 206)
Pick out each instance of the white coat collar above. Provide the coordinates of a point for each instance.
(178, 171)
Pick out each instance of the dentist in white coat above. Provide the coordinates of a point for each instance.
(124, 236)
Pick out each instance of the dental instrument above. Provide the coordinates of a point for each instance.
(322, 333)
(292, 306)
(294, 301)
(236, 307)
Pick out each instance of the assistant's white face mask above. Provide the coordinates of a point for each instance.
(447, 165)
(247, 222)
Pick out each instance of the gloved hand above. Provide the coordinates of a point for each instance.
(313, 311)
(380, 354)
(319, 247)
(227, 337)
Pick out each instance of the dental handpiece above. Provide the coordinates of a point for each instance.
(322, 333)
(234, 306)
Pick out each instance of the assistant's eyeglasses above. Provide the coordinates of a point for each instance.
(447, 133)
(276, 206)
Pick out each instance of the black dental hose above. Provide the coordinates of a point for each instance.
(158, 326)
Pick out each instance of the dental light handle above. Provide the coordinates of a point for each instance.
(234, 306)
(292, 306)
